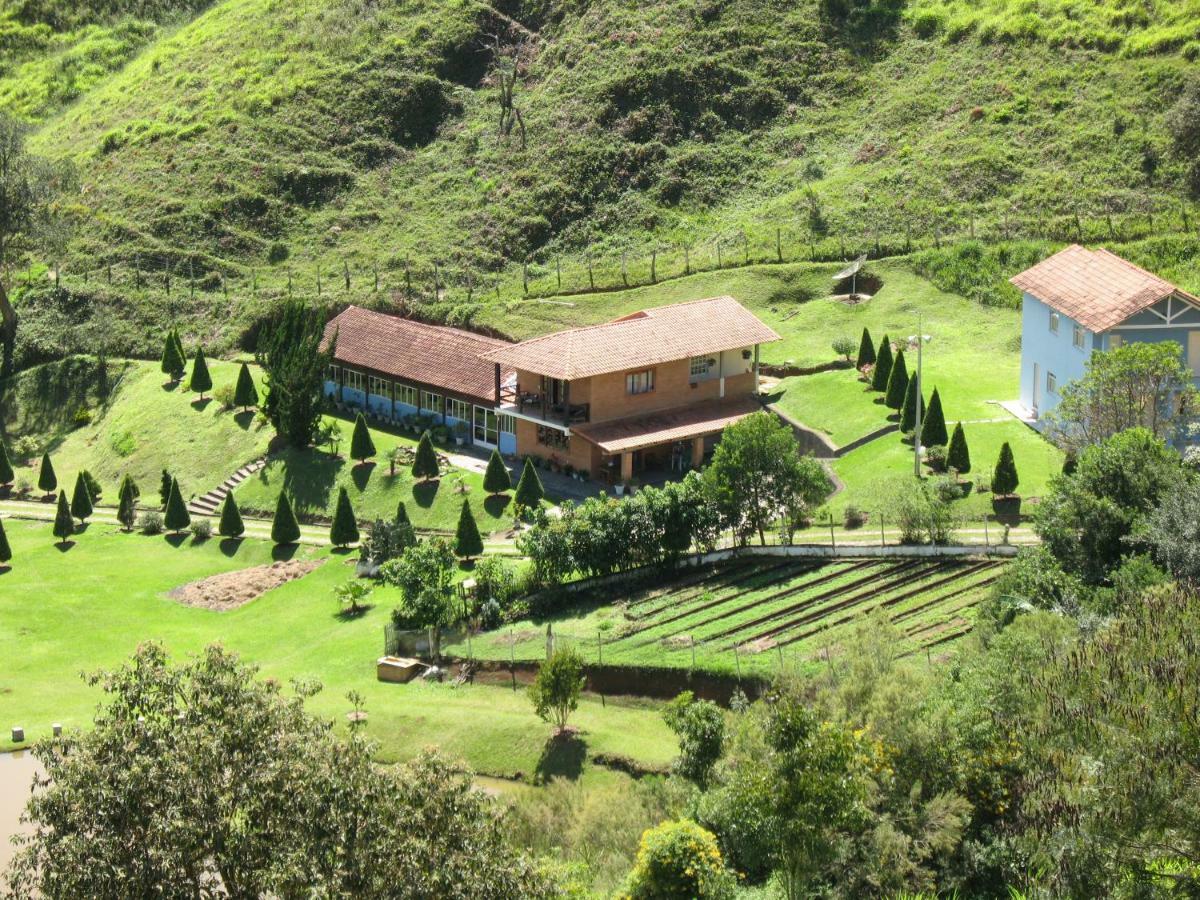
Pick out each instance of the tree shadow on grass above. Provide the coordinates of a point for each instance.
(5, 568)
(341, 551)
(63, 546)
(82, 527)
(361, 474)
(170, 386)
(201, 404)
(308, 476)
(230, 546)
(177, 539)
(349, 615)
(1007, 510)
(244, 418)
(562, 757)
(284, 552)
(495, 505)
(425, 492)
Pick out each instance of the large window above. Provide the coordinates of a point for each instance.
(1077, 337)
(1054, 317)
(354, 380)
(485, 426)
(431, 402)
(1051, 383)
(698, 366)
(332, 373)
(379, 387)
(640, 382)
(458, 409)
(406, 393)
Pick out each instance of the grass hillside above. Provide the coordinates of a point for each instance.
(247, 145)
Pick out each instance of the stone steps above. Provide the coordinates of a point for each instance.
(209, 504)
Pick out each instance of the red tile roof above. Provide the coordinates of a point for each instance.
(1096, 288)
(645, 338)
(669, 425)
(434, 355)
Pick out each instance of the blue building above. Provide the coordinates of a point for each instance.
(1079, 301)
(397, 369)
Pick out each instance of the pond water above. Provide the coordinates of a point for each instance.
(16, 778)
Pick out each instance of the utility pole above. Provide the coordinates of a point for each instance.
(920, 403)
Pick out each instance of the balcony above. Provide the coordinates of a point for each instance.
(538, 407)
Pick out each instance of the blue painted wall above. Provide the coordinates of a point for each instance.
(1050, 352)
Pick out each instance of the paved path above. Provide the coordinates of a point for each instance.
(206, 505)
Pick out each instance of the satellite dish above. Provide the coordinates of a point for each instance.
(851, 270)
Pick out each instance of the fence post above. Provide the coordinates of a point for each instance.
(558, 270)
(654, 267)
(737, 662)
(987, 543)
(832, 539)
(882, 538)
(591, 275)
(624, 270)
(778, 246)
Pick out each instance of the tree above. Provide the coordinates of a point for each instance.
(231, 525)
(497, 479)
(172, 360)
(555, 692)
(897, 385)
(245, 394)
(127, 503)
(93, 486)
(933, 424)
(29, 188)
(958, 456)
(909, 410)
(679, 860)
(201, 381)
(7, 475)
(204, 774)
(344, 530)
(5, 550)
(284, 527)
(362, 447)
(425, 461)
(1137, 385)
(866, 351)
(1004, 476)
(843, 347)
(1173, 532)
(402, 515)
(757, 475)
(164, 488)
(81, 500)
(883, 367)
(64, 523)
(425, 576)
(47, 479)
(353, 595)
(467, 542)
(176, 518)
(294, 356)
(700, 727)
(529, 491)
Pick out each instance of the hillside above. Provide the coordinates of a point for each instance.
(235, 149)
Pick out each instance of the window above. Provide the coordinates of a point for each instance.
(699, 366)
(1054, 317)
(354, 380)
(406, 393)
(640, 382)
(458, 409)
(379, 387)
(1077, 337)
(485, 426)
(332, 373)
(1051, 383)
(553, 438)
(508, 425)
(431, 402)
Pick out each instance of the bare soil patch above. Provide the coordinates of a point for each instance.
(229, 590)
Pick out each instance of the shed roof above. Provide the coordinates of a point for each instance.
(668, 425)
(434, 355)
(645, 338)
(1096, 288)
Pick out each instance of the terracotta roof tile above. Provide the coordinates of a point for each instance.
(669, 425)
(645, 338)
(1096, 288)
(435, 355)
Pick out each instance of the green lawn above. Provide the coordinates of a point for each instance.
(66, 612)
(313, 477)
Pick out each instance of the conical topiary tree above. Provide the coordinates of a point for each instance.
(958, 455)
(866, 351)
(933, 423)
(529, 489)
(1004, 477)
(245, 394)
(64, 524)
(127, 503)
(47, 479)
(172, 357)
(231, 525)
(5, 550)
(467, 541)
(425, 463)
(404, 527)
(897, 385)
(7, 475)
(284, 527)
(497, 479)
(362, 447)
(179, 351)
(81, 499)
(883, 366)
(164, 488)
(344, 530)
(402, 514)
(127, 483)
(914, 405)
(201, 381)
(177, 518)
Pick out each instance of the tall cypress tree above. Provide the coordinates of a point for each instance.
(362, 447)
(897, 385)
(933, 425)
(467, 541)
(529, 489)
(5, 550)
(909, 411)
(172, 357)
(127, 483)
(284, 527)
(866, 350)
(402, 514)
(177, 517)
(231, 525)
(47, 480)
(1004, 477)
(883, 366)
(164, 488)
(64, 524)
(127, 503)
(408, 534)
(497, 479)
(179, 351)
(958, 455)
(201, 381)
(245, 394)
(81, 499)
(7, 475)
(344, 530)
(425, 463)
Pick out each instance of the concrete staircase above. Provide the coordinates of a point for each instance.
(210, 504)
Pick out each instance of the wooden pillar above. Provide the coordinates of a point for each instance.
(756, 369)
(627, 466)
(566, 400)
(497, 385)
(697, 452)
(443, 409)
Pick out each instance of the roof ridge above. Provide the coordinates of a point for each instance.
(403, 321)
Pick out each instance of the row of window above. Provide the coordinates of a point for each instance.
(1077, 336)
(407, 394)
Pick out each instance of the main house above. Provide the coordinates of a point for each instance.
(651, 391)
(1079, 301)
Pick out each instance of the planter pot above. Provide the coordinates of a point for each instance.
(620, 489)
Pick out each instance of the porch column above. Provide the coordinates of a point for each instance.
(627, 466)
(721, 373)
(756, 369)
(697, 452)
(497, 385)
(566, 399)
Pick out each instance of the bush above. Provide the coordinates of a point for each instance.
(201, 530)
(700, 727)
(679, 859)
(151, 522)
(83, 416)
(935, 458)
(853, 517)
(224, 395)
(555, 692)
(843, 347)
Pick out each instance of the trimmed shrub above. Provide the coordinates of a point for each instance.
(529, 489)
(64, 523)
(853, 517)
(897, 383)
(201, 530)
(843, 347)
(47, 479)
(177, 518)
(866, 351)
(164, 488)
(81, 499)
(1004, 477)
(467, 541)
(362, 447)
(914, 405)
(127, 503)
(497, 479)
(172, 357)
(93, 486)
(201, 381)
(958, 456)
(245, 394)
(284, 527)
(231, 524)
(344, 530)
(151, 522)
(425, 462)
(883, 366)
(933, 425)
